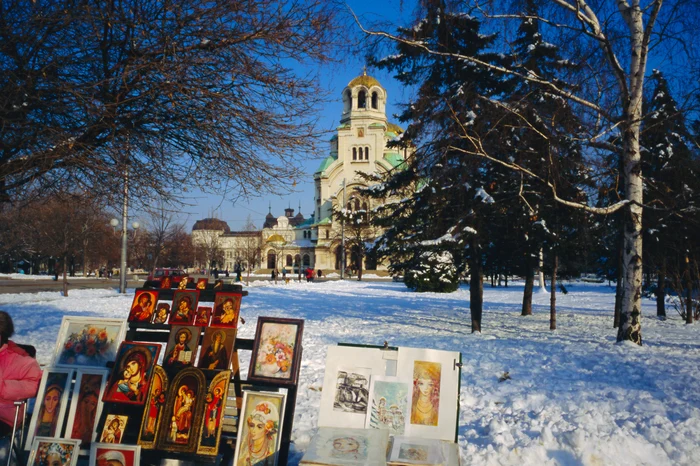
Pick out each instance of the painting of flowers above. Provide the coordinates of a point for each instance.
(87, 342)
(276, 350)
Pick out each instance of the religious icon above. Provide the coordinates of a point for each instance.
(226, 309)
(180, 425)
(53, 452)
(214, 405)
(183, 283)
(154, 409)
(132, 373)
(260, 427)
(183, 309)
(219, 284)
(217, 348)
(182, 348)
(276, 350)
(162, 313)
(51, 403)
(114, 429)
(426, 393)
(86, 406)
(166, 283)
(143, 306)
(202, 283)
(203, 316)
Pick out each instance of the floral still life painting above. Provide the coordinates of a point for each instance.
(276, 350)
(389, 405)
(86, 342)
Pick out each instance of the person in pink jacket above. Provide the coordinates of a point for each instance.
(19, 374)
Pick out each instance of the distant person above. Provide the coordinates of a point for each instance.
(226, 272)
(216, 273)
(284, 273)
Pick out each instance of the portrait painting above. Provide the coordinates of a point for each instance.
(347, 447)
(130, 379)
(227, 307)
(143, 307)
(181, 349)
(106, 454)
(203, 316)
(202, 283)
(425, 404)
(260, 426)
(276, 350)
(389, 404)
(184, 307)
(418, 451)
(162, 313)
(51, 404)
(180, 425)
(85, 407)
(154, 409)
(166, 283)
(114, 428)
(87, 341)
(53, 452)
(217, 348)
(214, 407)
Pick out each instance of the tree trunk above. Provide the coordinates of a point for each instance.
(529, 285)
(619, 290)
(65, 274)
(359, 268)
(661, 291)
(476, 288)
(553, 296)
(540, 272)
(688, 292)
(505, 277)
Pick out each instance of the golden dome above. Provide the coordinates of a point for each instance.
(364, 80)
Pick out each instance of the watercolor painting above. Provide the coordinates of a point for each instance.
(389, 404)
(426, 393)
(276, 350)
(260, 427)
(347, 447)
(87, 342)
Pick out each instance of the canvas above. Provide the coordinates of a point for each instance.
(227, 307)
(87, 341)
(86, 406)
(180, 425)
(416, 451)
(217, 348)
(51, 404)
(389, 404)
(214, 406)
(181, 349)
(53, 452)
(276, 350)
(184, 307)
(105, 454)
(143, 307)
(130, 379)
(162, 313)
(347, 447)
(154, 409)
(114, 427)
(203, 316)
(260, 425)
(202, 283)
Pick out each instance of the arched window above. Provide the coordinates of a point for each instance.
(354, 153)
(297, 259)
(327, 234)
(366, 153)
(289, 260)
(347, 101)
(362, 100)
(364, 206)
(349, 206)
(357, 204)
(271, 260)
(375, 100)
(307, 260)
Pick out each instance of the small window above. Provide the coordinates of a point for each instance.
(366, 153)
(364, 206)
(357, 204)
(354, 153)
(327, 234)
(289, 260)
(375, 100)
(307, 260)
(362, 100)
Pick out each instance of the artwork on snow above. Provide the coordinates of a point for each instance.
(87, 342)
(214, 406)
(203, 316)
(202, 283)
(347, 447)
(415, 450)
(260, 426)
(276, 350)
(181, 349)
(217, 348)
(184, 306)
(86, 406)
(352, 390)
(162, 313)
(227, 307)
(180, 425)
(53, 452)
(51, 404)
(154, 409)
(105, 454)
(132, 373)
(114, 428)
(143, 307)
(389, 404)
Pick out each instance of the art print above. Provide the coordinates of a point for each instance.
(154, 409)
(227, 307)
(389, 405)
(217, 348)
(260, 427)
(183, 283)
(87, 342)
(132, 373)
(181, 348)
(180, 425)
(202, 283)
(214, 405)
(203, 316)
(105, 454)
(347, 447)
(412, 450)
(425, 404)
(143, 307)
(352, 390)
(53, 452)
(276, 350)
(51, 404)
(86, 406)
(162, 313)
(114, 428)
(184, 306)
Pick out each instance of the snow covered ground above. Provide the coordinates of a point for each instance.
(575, 397)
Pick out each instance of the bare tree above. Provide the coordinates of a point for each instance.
(251, 251)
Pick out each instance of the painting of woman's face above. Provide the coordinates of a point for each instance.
(256, 427)
(89, 403)
(425, 385)
(133, 367)
(51, 400)
(54, 459)
(346, 444)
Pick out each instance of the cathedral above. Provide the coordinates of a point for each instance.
(359, 146)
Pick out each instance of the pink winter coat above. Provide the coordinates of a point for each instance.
(19, 379)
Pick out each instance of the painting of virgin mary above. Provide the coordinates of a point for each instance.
(131, 377)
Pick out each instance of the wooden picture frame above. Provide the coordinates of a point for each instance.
(114, 428)
(227, 308)
(212, 421)
(215, 355)
(51, 404)
(162, 313)
(203, 316)
(133, 369)
(86, 406)
(184, 307)
(87, 341)
(182, 418)
(181, 349)
(262, 410)
(152, 414)
(109, 454)
(276, 350)
(202, 283)
(50, 451)
(143, 307)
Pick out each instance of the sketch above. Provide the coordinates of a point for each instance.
(132, 373)
(347, 447)
(143, 306)
(227, 306)
(214, 406)
(217, 348)
(104, 454)
(87, 342)
(180, 424)
(53, 452)
(162, 313)
(51, 402)
(276, 350)
(184, 305)
(389, 405)
(86, 406)
(181, 348)
(154, 409)
(260, 427)
(352, 390)
(114, 428)
(426, 393)
(203, 316)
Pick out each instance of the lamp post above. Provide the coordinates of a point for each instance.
(122, 269)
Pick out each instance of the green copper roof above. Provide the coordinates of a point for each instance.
(325, 164)
(325, 221)
(394, 159)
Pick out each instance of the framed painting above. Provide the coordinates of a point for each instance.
(227, 307)
(166, 283)
(51, 404)
(132, 373)
(260, 426)
(154, 409)
(53, 452)
(86, 406)
(276, 350)
(87, 341)
(143, 307)
(202, 283)
(214, 407)
(217, 348)
(113, 431)
(162, 313)
(218, 284)
(182, 348)
(184, 281)
(184, 306)
(416, 450)
(348, 447)
(203, 316)
(105, 454)
(182, 417)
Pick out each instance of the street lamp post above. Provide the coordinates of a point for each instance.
(122, 269)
